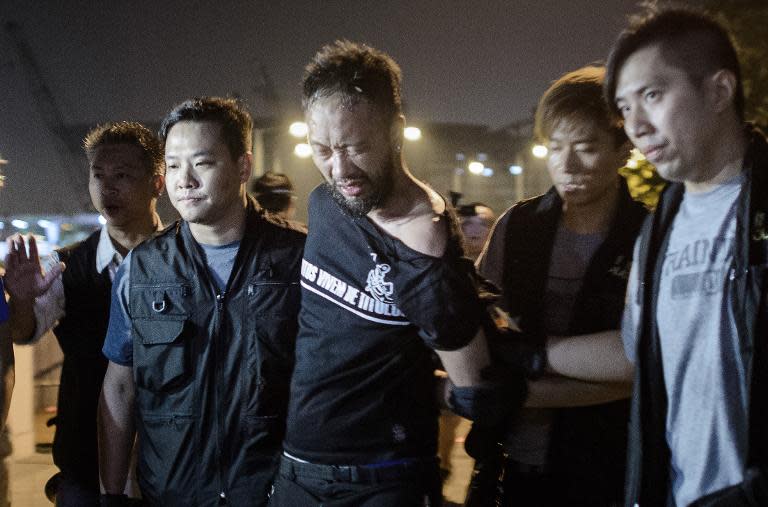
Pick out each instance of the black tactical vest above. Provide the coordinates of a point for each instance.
(81, 336)
(212, 367)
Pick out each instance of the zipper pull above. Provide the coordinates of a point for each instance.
(220, 300)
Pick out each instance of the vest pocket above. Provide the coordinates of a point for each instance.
(267, 297)
(165, 440)
(162, 362)
(272, 308)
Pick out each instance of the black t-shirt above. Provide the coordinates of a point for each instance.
(363, 389)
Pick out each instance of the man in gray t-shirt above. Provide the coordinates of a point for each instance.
(704, 366)
(693, 325)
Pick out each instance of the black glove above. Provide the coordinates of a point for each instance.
(752, 491)
(516, 349)
(500, 396)
(483, 442)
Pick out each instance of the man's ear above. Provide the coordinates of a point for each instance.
(721, 89)
(245, 166)
(396, 132)
(158, 184)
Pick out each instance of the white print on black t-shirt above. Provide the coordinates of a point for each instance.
(380, 289)
(376, 307)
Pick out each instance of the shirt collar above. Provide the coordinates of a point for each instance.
(106, 253)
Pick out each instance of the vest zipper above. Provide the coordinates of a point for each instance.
(220, 298)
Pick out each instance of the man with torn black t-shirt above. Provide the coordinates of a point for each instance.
(383, 282)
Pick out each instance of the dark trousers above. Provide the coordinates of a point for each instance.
(506, 483)
(500, 482)
(71, 493)
(308, 485)
(528, 488)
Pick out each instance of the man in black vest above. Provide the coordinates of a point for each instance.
(202, 328)
(383, 282)
(126, 177)
(562, 261)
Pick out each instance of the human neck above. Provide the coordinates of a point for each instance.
(228, 229)
(725, 162)
(407, 199)
(126, 237)
(592, 217)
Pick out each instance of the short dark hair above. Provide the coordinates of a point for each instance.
(236, 124)
(688, 39)
(355, 71)
(273, 191)
(577, 95)
(127, 132)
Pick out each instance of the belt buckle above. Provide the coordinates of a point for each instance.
(342, 473)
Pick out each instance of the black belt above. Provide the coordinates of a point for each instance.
(409, 469)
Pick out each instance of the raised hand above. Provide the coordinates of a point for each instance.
(24, 278)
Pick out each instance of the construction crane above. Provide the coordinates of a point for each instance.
(66, 144)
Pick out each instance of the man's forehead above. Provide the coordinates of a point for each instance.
(576, 126)
(122, 153)
(340, 104)
(647, 64)
(184, 127)
(195, 135)
(335, 119)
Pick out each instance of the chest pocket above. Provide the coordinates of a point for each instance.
(162, 336)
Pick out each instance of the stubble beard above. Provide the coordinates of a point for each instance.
(358, 207)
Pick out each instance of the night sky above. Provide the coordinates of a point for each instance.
(482, 62)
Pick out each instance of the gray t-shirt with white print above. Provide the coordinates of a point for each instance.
(704, 366)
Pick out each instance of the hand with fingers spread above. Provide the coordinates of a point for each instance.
(24, 278)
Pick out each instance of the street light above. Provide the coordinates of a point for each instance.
(298, 129)
(476, 167)
(515, 170)
(539, 150)
(412, 133)
(302, 150)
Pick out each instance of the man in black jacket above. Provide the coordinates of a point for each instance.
(125, 178)
(695, 317)
(202, 328)
(562, 261)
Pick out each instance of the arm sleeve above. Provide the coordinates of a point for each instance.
(49, 307)
(443, 301)
(118, 344)
(491, 263)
